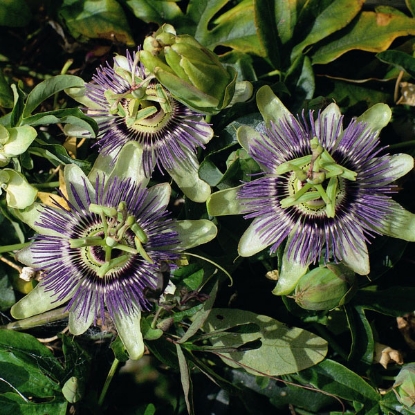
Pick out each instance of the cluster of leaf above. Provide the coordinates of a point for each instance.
(310, 52)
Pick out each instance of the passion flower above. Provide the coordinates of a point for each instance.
(324, 189)
(106, 251)
(131, 105)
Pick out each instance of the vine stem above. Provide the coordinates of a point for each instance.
(14, 247)
(108, 380)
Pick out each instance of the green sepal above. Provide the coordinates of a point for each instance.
(129, 164)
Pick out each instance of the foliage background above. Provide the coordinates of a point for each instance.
(311, 52)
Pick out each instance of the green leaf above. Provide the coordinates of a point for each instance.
(7, 296)
(160, 11)
(28, 365)
(363, 343)
(283, 350)
(402, 60)
(14, 13)
(201, 316)
(267, 25)
(372, 32)
(12, 404)
(48, 88)
(96, 19)
(236, 29)
(6, 93)
(394, 301)
(336, 15)
(334, 378)
(185, 380)
(72, 116)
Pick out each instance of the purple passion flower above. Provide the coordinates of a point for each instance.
(105, 252)
(324, 189)
(131, 105)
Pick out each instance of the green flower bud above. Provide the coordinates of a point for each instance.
(192, 73)
(324, 288)
(404, 386)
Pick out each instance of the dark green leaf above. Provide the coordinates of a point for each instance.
(186, 380)
(334, 378)
(48, 88)
(96, 19)
(363, 344)
(13, 404)
(14, 13)
(28, 365)
(400, 59)
(7, 296)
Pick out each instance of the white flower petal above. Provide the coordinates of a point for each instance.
(194, 232)
(332, 116)
(250, 242)
(187, 178)
(248, 138)
(79, 324)
(400, 224)
(291, 271)
(355, 257)
(36, 302)
(162, 194)
(129, 330)
(31, 216)
(270, 106)
(399, 165)
(129, 164)
(376, 117)
(77, 182)
(225, 202)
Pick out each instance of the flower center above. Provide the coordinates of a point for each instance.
(111, 245)
(316, 181)
(145, 107)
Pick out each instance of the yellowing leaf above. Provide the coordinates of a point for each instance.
(372, 32)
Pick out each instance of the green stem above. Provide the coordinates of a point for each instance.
(39, 320)
(409, 143)
(213, 263)
(108, 380)
(14, 247)
(45, 185)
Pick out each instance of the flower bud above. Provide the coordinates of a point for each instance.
(192, 73)
(404, 386)
(324, 288)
